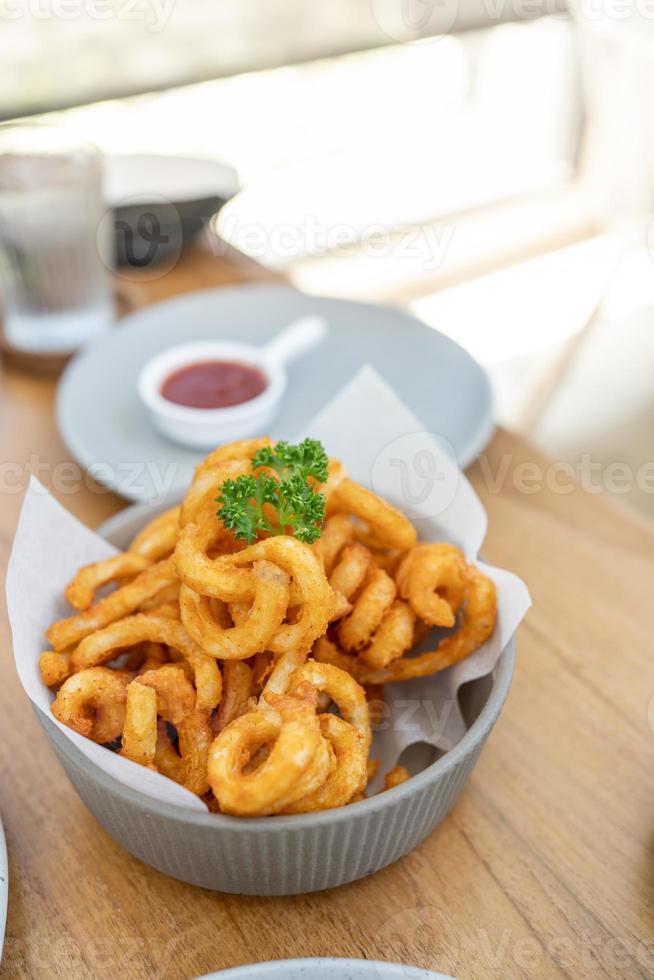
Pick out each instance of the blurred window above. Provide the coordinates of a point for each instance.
(418, 151)
(359, 148)
(56, 53)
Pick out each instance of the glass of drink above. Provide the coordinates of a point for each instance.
(55, 246)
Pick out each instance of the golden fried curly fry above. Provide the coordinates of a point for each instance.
(218, 577)
(479, 618)
(241, 449)
(139, 743)
(372, 768)
(337, 532)
(349, 775)
(157, 540)
(106, 644)
(218, 572)
(319, 552)
(325, 651)
(371, 606)
(238, 689)
(336, 472)
(167, 758)
(55, 667)
(280, 672)
(200, 503)
(391, 527)
(103, 646)
(167, 595)
(221, 613)
(271, 591)
(262, 666)
(238, 612)
(381, 556)
(311, 587)
(396, 776)
(163, 610)
(80, 592)
(351, 569)
(340, 607)
(176, 703)
(154, 655)
(92, 703)
(69, 632)
(292, 730)
(432, 578)
(321, 768)
(389, 560)
(347, 695)
(175, 694)
(225, 463)
(393, 637)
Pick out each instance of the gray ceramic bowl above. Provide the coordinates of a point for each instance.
(283, 855)
(326, 969)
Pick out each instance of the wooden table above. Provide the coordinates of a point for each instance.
(544, 868)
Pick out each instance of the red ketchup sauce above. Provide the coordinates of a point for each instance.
(214, 384)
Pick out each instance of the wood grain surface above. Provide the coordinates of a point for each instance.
(545, 866)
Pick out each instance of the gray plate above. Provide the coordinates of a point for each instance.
(106, 430)
(326, 969)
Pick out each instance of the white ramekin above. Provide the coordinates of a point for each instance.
(204, 428)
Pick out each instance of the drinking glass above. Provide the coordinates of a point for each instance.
(54, 244)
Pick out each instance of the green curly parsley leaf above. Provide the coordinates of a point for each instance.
(300, 508)
(307, 459)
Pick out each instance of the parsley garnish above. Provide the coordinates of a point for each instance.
(296, 502)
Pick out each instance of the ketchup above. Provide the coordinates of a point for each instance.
(214, 384)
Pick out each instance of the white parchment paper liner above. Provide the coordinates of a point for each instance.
(385, 447)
